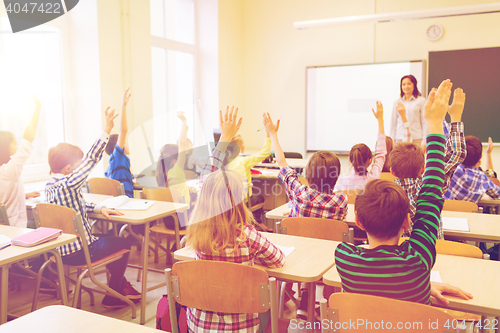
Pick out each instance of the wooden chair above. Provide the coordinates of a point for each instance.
(311, 227)
(225, 287)
(387, 176)
(105, 186)
(70, 222)
(460, 206)
(4, 218)
(350, 307)
(189, 174)
(292, 155)
(327, 229)
(255, 207)
(168, 195)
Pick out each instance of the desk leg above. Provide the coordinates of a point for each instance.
(4, 290)
(311, 311)
(62, 279)
(145, 259)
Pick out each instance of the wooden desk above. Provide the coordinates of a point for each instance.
(64, 319)
(476, 276)
(296, 163)
(157, 211)
(495, 204)
(483, 227)
(14, 254)
(310, 260)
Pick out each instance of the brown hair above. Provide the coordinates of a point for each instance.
(322, 171)
(407, 160)
(389, 145)
(113, 139)
(6, 139)
(233, 148)
(62, 155)
(168, 153)
(358, 156)
(413, 80)
(382, 208)
(474, 149)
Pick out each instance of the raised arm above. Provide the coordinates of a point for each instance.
(272, 130)
(253, 160)
(381, 149)
(30, 131)
(183, 144)
(123, 123)
(489, 162)
(402, 113)
(430, 200)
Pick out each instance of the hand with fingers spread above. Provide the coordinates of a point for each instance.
(110, 117)
(402, 112)
(268, 124)
(126, 97)
(379, 114)
(457, 107)
(437, 106)
(229, 124)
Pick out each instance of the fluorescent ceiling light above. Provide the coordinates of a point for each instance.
(402, 16)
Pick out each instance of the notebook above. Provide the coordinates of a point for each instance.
(4, 241)
(122, 202)
(37, 237)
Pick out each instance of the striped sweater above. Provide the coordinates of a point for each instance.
(401, 272)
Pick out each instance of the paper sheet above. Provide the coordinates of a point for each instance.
(4, 241)
(123, 202)
(455, 223)
(436, 277)
(286, 249)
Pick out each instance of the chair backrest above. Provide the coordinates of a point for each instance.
(311, 227)
(460, 206)
(454, 248)
(4, 218)
(55, 216)
(495, 181)
(189, 174)
(380, 314)
(351, 195)
(292, 155)
(387, 176)
(105, 186)
(159, 194)
(225, 287)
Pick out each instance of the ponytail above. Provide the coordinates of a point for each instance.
(358, 156)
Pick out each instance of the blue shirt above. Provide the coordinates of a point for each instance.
(119, 169)
(470, 184)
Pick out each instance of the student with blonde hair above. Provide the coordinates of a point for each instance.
(221, 228)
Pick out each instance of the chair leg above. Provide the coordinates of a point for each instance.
(37, 286)
(282, 286)
(157, 239)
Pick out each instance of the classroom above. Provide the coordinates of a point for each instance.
(199, 57)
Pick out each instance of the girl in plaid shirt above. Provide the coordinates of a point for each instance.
(220, 228)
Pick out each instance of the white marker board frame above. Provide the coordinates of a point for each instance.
(339, 100)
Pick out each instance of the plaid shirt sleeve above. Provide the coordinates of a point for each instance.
(455, 152)
(266, 252)
(493, 190)
(294, 188)
(213, 164)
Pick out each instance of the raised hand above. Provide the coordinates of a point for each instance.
(457, 107)
(490, 146)
(402, 112)
(110, 117)
(436, 107)
(126, 96)
(379, 114)
(181, 116)
(268, 124)
(229, 124)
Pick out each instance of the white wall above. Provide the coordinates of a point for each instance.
(263, 58)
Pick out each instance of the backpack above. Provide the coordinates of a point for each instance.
(163, 316)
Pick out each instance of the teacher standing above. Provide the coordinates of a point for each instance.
(410, 103)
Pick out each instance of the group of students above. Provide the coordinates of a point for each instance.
(221, 227)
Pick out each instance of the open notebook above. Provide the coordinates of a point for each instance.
(122, 202)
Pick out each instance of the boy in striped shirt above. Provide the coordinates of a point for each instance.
(387, 269)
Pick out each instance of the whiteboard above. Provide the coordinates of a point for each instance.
(340, 101)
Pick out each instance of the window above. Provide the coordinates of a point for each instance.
(173, 54)
(31, 63)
